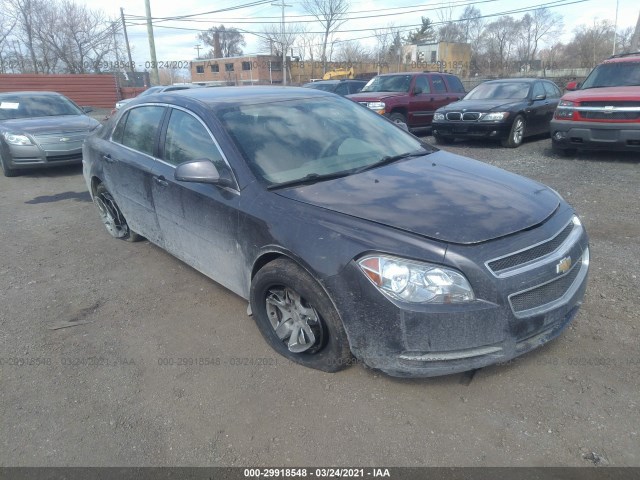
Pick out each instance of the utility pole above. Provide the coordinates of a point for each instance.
(126, 39)
(282, 38)
(198, 47)
(615, 29)
(155, 76)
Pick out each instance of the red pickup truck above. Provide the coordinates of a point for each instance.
(602, 113)
(410, 97)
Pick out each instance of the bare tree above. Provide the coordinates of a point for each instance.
(276, 39)
(224, 42)
(534, 30)
(500, 37)
(331, 14)
(590, 45)
(352, 51)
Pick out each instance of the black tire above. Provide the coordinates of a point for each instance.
(397, 117)
(112, 217)
(440, 140)
(7, 170)
(516, 134)
(284, 288)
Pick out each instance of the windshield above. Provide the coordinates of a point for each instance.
(501, 90)
(25, 106)
(292, 140)
(388, 83)
(619, 74)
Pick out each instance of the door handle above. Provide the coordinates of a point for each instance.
(161, 181)
(107, 158)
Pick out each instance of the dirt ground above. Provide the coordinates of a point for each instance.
(118, 354)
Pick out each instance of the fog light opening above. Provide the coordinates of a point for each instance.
(559, 136)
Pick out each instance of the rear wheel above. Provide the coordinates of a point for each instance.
(516, 134)
(297, 318)
(112, 217)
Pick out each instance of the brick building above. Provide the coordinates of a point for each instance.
(247, 70)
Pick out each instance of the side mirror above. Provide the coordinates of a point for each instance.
(87, 109)
(417, 90)
(203, 171)
(541, 97)
(573, 86)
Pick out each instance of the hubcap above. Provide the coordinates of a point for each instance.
(518, 131)
(111, 215)
(295, 322)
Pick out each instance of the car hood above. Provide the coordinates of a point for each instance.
(441, 196)
(374, 96)
(480, 105)
(615, 94)
(60, 124)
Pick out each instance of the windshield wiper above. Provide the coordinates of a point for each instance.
(310, 179)
(390, 159)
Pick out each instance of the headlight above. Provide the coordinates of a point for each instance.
(494, 116)
(566, 103)
(565, 110)
(15, 139)
(416, 282)
(377, 107)
(438, 116)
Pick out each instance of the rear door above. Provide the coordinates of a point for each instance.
(198, 221)
(128, 162)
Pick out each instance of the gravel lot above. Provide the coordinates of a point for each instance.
(118, 354)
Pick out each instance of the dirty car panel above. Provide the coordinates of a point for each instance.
(348, 235)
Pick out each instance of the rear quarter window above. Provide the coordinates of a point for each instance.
(455, 85)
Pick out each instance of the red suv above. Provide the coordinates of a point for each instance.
(410, 97)
(602, 113)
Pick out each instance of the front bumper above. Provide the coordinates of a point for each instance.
(566, 134)
(505, 321)
(46, 152)
(462, 129)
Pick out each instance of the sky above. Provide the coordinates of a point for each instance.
(177, 43)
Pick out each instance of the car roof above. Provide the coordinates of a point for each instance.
(624, 58)
(412, 73)
(244, 95)
(515, 80)
(31, 93)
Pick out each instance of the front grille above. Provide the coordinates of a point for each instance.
(60, 139)
(610, 115)
(60, 158)
(455, 116)
(606, 103)
(530, 254)
(545, 294)
(470, 116)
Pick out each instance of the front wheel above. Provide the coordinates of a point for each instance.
(296, 317)
(112, 217)
(7, 170)
(397, 117)
(516, 134)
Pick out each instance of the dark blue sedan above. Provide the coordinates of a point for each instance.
(349, 236)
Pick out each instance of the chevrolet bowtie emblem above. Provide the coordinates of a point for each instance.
(64, 139)
(564, 265)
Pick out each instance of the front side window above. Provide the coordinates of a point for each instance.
(141, 128)
(422, 85)
(538, 89)
(188, 139)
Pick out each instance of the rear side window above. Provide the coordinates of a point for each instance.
(438, 84)
(141, 128)
(342, 89)
(116, 136)
(455, 85)
(188, 139)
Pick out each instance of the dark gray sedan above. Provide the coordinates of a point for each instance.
(41, 129)
(349, 236)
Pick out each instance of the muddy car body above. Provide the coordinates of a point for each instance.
(348, 235)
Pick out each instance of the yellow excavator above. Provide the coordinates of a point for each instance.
(339, 74)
